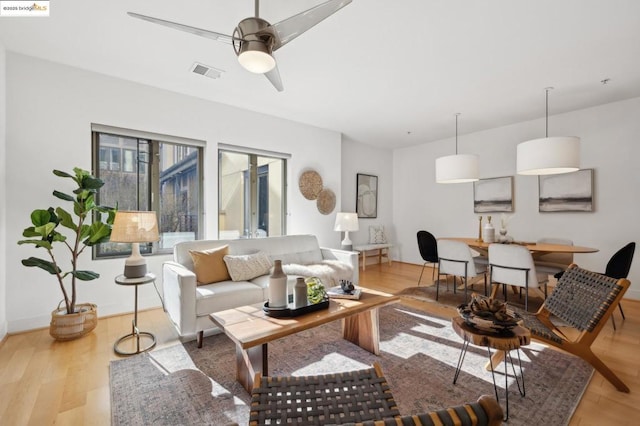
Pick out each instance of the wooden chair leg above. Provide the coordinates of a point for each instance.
(591, 358)
(200, 338)
(621, 311)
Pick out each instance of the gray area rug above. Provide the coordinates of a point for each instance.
(184, 385)
(446, 296)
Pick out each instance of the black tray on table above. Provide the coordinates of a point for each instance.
(290, 311)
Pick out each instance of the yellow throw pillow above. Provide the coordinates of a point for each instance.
(209, 265)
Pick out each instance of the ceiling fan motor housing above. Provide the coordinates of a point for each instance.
(253, 41)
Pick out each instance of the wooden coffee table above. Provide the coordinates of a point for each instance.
(251, 329)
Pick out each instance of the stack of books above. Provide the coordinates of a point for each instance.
(337, 293)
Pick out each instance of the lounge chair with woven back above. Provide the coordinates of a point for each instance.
(584, 300)
(355, 398)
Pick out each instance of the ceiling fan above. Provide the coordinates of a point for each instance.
(254, 39)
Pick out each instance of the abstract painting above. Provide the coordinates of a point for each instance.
(567, 192)
(367, 196)
(493, 195)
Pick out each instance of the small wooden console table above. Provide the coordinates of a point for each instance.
(381, 250)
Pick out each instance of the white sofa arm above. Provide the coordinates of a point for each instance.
(348, 257)
(179, 285)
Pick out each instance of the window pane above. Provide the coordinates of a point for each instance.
(251, 197)
(179, 194)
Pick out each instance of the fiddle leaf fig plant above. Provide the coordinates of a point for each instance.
(45, 232)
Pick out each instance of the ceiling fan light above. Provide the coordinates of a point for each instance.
(459, 168)
(255, 57)
(548, 156)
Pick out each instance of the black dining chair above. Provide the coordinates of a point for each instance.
(618, 267)
(428, 247)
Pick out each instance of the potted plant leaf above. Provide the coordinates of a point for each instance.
(74, 319)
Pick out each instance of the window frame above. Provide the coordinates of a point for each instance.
(155, 140)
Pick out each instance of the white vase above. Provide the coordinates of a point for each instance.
(278, 287)
(489, 232)
(300, 293)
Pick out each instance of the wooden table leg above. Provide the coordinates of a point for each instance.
(249, 362)
(362, 329)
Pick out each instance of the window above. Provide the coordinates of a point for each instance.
(251, 199)
(148, 173)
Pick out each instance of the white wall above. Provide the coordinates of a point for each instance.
(50, 108)
(361, 158)
(610, 145)
(3, 204)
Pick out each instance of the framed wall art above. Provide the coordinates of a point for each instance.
(366, 196)
(567, 192)
(493, 195)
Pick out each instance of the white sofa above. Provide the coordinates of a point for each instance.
(189, 305)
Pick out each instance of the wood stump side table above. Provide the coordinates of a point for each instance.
(503, 345)
(135, 332)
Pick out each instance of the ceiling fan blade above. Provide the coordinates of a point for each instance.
(274, 77)
(193, 30)
(292, 27)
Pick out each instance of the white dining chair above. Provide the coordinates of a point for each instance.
(455, 258)
(512, 264)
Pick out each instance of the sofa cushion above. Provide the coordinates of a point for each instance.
(247, 266)
(224, 295)
(209, 266)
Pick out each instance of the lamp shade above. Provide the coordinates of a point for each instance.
(548, 156)
(135, 227)
(346, 222)
(457, 168)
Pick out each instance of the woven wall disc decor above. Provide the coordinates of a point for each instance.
(310, 184)
(326, 201)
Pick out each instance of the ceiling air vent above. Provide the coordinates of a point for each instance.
(206, 70)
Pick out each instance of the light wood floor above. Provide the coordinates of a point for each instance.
(45, 382)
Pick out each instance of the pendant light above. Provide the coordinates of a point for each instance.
(458, 168)
(548, 156)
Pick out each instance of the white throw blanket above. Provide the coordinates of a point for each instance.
(330, 272)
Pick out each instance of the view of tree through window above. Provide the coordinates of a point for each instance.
(146, 174)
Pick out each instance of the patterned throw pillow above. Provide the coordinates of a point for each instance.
(209, 265)
(247, 266)
(376, 234)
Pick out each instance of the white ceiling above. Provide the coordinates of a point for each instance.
(376, 70)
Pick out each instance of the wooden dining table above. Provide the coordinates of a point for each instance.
(537, 249)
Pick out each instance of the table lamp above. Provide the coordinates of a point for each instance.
(135, 227)
(346, 222)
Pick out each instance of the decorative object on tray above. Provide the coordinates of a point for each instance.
(346, 290)
(489, 315)
(299, 293)
(277, 286)
(315, 299)
(315, 290)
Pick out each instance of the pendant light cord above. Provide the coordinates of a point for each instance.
(457, 114)
(546, 124)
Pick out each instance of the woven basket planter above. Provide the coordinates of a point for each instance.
(72, 326)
